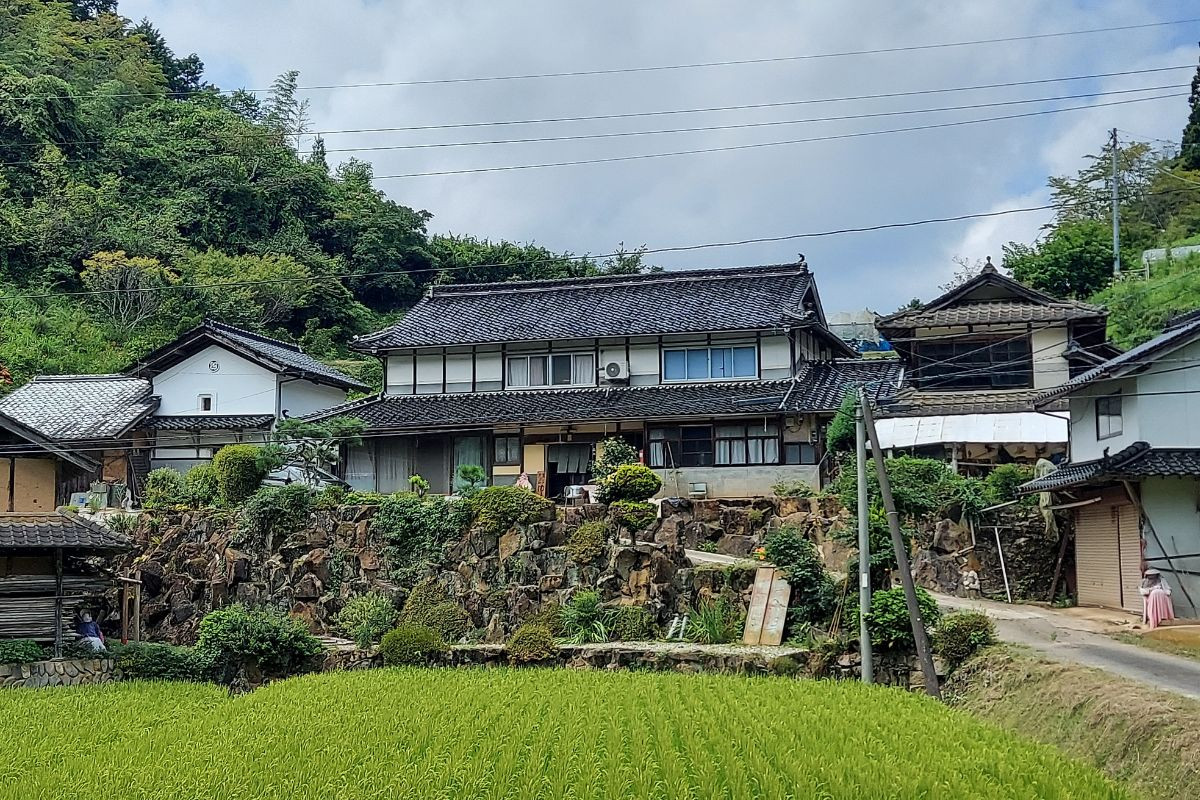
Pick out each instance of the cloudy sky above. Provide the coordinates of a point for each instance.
(722, 196)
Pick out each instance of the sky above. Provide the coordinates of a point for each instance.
(733, 195)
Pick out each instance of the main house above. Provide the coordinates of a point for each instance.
(974, 360)
(721, 377)
(1134, 475)
(214, 385)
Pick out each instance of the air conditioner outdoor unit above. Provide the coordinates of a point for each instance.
(615, 372)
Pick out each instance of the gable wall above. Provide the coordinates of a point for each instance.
(239, 387)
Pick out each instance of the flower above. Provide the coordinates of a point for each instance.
(760, 553)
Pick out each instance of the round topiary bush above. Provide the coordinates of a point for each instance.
(586, 543)
(633, 515)
(530, 644)
(498, 508)
(412, 644)
(632, 624)
(429, 605)
(236, 637)
(239, 472)
(634, 482)
(888, 621)
(611, 454)
(163, 489)
(200, 485)
(960, 635)
(367, 617)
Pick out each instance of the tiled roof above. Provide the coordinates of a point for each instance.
(210, 422)
(819, 389)
(1139, 460)
(282, 355)
(56, 529)
(910, 403)
(80, 407)
(823, 384)
(991, 312)
(692, 301)
(1139, 356)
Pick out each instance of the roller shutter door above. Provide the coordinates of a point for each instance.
(1097, 555)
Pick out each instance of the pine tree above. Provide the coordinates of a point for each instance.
(1189, 155)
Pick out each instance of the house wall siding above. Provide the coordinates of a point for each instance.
(1050, 369)
(482, 369)
(1171, 507)
(1084, 444)
(299, 398)
(239, 387)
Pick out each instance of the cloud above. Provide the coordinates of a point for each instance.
(736, 195)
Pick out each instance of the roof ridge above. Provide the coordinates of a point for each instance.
(107, 376)
(662, 276)
(231, 329)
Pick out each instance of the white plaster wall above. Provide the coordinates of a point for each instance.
(238, 387)
(1084, 444)
(299, 398)
(1170, 505)
(489, 371)
(399, 377)
(1169, 399)
(644, 366)
(1050, 369)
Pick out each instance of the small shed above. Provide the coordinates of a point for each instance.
(42, 579)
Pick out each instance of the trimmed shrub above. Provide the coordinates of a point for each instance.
(330, 497)
(239, 472)
(888, 621)
(148, 661)
(236, 637)
(367, 617)
(840, 436)
(363, 499)
(813, 594)
(200, 485)
(429, 605)
(632, 515)
(163, 489)
(793, 489)
(21, 651)
(498, 508)
(632, 624)
(531, 643)
(635, 482)
(584, 619)
(412, 644)
(586, 543)
(471, 477)
(276, 509)
(960, 635)
(612, 453)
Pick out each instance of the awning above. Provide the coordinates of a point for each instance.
(1012, 428)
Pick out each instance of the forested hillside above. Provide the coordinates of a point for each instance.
(136, 198)
(1159, 208)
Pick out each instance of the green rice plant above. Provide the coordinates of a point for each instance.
(586, 735)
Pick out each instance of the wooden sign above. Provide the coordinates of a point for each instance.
(767, 614)
(541, 483)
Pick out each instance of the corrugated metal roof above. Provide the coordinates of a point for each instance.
(1011, 428)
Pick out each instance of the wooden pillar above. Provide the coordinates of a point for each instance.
(137, 607)
(58, 602)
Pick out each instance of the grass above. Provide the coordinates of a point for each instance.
(1141, 736)
(517, 734)
(1175, 640)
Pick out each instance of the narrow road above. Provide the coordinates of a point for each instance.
(1060, 636)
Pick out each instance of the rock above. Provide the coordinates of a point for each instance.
(737, 545)
(509, 544)
(237, 566)
(369, 560)
(308, 587)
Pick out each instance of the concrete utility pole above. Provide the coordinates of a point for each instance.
(1116, 208)
(864, 543)
(910, 590)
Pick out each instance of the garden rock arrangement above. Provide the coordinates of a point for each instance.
(59, 672)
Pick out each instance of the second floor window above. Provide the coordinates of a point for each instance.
(710, 363)
(556, 369)
(1108, 416)
(974, 364)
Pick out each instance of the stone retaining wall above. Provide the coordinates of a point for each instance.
(59, 672)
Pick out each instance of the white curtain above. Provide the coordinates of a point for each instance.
(396, 463)
(360, 468)
(584, 370)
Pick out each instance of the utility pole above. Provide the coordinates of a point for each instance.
(864, 543)
(1116, 208)
(910, 590)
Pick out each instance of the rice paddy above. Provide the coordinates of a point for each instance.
(516, 734)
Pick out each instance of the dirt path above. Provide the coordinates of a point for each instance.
(1079, 636)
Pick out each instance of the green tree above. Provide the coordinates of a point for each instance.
(249, 290)
(1190, 144)
(1074, 260)
(129, 289)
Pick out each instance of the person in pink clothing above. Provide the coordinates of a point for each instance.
(1156, 598)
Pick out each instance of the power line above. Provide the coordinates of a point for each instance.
(693, 129)
(668, 112)
(757, 145)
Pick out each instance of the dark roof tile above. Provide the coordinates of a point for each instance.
(1139, 460)
(80, 407)
(210, 422)
(22, 531)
